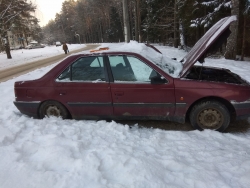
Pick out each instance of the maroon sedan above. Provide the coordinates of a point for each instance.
(127, 85)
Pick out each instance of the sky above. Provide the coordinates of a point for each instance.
(52, 152)
(47, 9)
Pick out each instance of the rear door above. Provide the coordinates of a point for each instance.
(132, 92)
(84, 88)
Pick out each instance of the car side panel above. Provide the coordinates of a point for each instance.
(143, 100)
(188, 92)
(85, 99)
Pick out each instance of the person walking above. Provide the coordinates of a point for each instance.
(65, 47)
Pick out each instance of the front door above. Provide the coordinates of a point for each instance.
(133, 94)
(84, 89)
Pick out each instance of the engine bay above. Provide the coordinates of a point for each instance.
(214, 74)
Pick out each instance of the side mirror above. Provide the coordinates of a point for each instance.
(158, 80)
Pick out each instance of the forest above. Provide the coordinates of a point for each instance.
(177, 23)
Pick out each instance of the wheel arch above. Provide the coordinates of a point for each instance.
(38, 109)
(228, 105)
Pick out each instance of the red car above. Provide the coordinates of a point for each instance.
(126, 85)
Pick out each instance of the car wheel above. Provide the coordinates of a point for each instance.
(53, 108)
(210, 115)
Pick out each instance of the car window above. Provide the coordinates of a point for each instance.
(97, 63)
(84, 69)
(115, 60)
(141, 70)
(130, 69)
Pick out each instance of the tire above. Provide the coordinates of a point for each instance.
(211, 115)
(53, 108)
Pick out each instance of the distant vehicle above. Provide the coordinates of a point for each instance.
(124, 85)
(16, 47)
(58, 44)
(37, 45)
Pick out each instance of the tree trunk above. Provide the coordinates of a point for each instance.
(101, 35)
(7, 48)
(243, 39)
(137, 20)
(231, 48)
(182, 39)
(175, 26)
(126, 21)
(24, 36)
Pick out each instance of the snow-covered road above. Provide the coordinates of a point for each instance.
(24, 56)
(20, 65)
(56, 153)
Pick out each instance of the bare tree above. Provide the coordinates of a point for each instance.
(12, 14)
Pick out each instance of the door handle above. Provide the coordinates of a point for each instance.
(62, 93)
(59, 84)
(119, 93)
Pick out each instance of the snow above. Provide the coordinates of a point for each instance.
(23, 56)
(67, 153)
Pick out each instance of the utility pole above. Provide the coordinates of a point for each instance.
(126, 21)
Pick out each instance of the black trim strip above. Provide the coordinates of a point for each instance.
(140, 105)
(90, 104)
(31, 104)
(144, 105)
(181, 105)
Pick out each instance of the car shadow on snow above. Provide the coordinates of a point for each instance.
(240, 126)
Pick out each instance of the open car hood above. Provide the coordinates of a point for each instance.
(211, 41)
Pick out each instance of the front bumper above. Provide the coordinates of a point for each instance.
(242, 109)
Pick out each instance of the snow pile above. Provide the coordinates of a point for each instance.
(67, 153)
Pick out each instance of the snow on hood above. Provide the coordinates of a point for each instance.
(168, 65)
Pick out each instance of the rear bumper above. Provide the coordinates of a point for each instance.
(29, 108)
